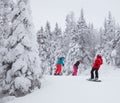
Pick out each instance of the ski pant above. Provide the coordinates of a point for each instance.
(75, 70)
(58, 69)
(96, 73)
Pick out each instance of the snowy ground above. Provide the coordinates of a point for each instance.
(69, 89)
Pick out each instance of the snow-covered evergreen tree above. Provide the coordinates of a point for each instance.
(84, 39)
(108, 37)
(41, 39)
(94, 42)
(47, 41)
(21, 62)
(49, 47)
(70, 38)
(80, 42)
(5, 14)
(116, 51)
(56, 44)
(48, 35)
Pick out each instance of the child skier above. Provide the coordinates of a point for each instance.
(59, 65)
(75, 68)
(96, 65)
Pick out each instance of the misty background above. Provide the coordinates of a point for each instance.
(56, 10)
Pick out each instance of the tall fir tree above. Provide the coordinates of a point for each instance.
(41, 39)
(84, 36)
(70, 42)
(21, 62)
(116, 48)
(49, 35)
(57, 45)
(108, 37)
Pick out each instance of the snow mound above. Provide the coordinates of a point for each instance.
(21, 86)
(22, 83)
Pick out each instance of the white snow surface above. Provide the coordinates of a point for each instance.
(22, 82)
(76, 89)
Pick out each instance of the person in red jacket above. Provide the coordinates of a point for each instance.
(96, 65)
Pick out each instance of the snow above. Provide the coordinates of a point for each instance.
(22, 82)
(69, 89)
(114, 53)
(19, 56)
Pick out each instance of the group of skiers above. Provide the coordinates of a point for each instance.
(96, 65)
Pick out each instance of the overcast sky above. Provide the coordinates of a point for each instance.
(56, 10)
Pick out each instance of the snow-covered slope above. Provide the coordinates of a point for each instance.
(69, 89)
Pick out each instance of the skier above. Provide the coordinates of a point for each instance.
(75, 67)
(96, 65)
(59, 65)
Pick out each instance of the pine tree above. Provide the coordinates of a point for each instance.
(84, 38)
(93, 42)
(41, 39)
(5, 14)
(108, 38)
(116, 43)
(48, 35)
(56, 45)
(21, 62)
(57, 31)
(70, 38)
(80, 42)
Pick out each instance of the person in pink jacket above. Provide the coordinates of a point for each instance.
(75, 68)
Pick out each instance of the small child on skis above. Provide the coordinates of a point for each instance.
(96, 65)
(59, 65)
(75, 68)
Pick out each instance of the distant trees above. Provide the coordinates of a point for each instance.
(80, 40)
(81, 44)
(69, 35)
(49, 47)
(76, 42)
(109, 40)
(116, 45)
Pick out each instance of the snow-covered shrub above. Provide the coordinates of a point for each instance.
(20, 87)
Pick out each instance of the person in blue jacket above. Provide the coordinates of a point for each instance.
(59, 65)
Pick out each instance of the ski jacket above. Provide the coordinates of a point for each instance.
(60, 61)
(98, 62)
